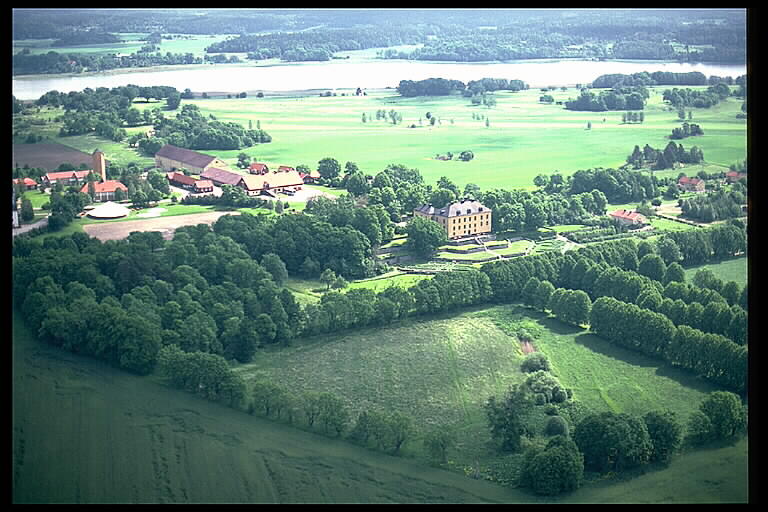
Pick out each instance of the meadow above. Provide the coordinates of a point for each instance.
(736, 269)
(524, 137)
(440, 371)
(119, 438)
(130, 43)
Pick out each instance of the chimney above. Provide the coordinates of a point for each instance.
(100, 165)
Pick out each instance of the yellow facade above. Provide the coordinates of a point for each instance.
(459, 226)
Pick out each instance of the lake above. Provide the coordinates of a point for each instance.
(361, 70)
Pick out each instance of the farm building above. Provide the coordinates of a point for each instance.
(258, 168)
(459, 219)
(733, 176)
(65, 177)
(172, 158)
(28, 183)
(99, 168)
(221, 177)
(271, 183)
(629, 217)
(691, 184)
(285, 168)
(105, 190)
(189, 183)
(310, 177)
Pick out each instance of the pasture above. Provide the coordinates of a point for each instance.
(441, 370)
(736, 269)
(524, 137)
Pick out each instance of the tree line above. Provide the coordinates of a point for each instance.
(576, 439)
(25, 63)
(191, 130)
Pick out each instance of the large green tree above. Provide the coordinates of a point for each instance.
(424, 236)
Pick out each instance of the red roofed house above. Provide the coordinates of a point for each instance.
(78, 177)
(29, 183)
(629, 217)
(310, 177)
(182, 180)
(271, 183)
(691, 184)
(733, 176)
(189, 183)
(65, 177)
(258, 168)
(105, 190)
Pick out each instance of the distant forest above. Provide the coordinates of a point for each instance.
(443, 35)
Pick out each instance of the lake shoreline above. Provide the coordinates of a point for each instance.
(287, 78)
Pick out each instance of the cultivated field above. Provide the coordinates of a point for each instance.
(49, 155)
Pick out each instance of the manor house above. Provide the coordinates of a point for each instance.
(460, 218)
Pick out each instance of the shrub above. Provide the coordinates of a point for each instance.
(534, 362)
(546, 388)
(556, 469)
(699, 429)
(556, 426)
(665, 433)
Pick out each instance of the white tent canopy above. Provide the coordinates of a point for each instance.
(109, 210)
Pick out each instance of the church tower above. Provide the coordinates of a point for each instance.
(100, 165)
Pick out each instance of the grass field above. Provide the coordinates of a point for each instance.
(735, 269)
(441, 371)
(524, 138)
(119, 438)
(130, 43)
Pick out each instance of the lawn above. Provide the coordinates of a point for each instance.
(735, 269)
(669, 225)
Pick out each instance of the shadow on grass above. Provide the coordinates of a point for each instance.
(599, 345)
(663, 369)
(556, 326)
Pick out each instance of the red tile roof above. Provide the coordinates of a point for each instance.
(285, 168)
(686, 180)
(105, 186)
(27, 181)
(628, 215)
(182, 178)
(258, 167)
(62, 175)
(203, 184)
